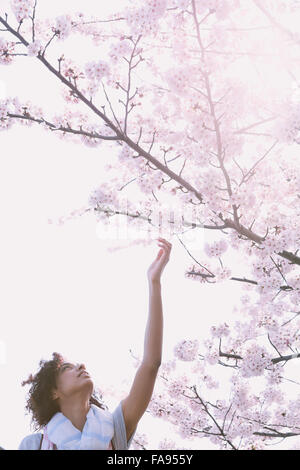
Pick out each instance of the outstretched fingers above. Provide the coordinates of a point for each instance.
(164, 244)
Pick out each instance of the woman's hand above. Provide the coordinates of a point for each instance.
(156, 268)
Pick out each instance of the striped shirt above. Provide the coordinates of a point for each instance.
(118, 442)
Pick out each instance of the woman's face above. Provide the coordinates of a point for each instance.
(71, 379)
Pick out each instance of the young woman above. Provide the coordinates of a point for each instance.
(62, 400)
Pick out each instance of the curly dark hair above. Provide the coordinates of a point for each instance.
(40, 403)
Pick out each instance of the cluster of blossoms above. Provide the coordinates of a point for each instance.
(276, 243)
(186, 197)
(63, 26)
(34, 48)
(3, 109)
(178, 79)
(72, 120)
(177, 386)
(246, 425)
(6, 48)
(126, 157)
(211, 356)
(216, 249)
(293, 414)
(157, 407)
(243, 428)
(91, 88)
(186, 350)
(185, 426)
(234, 240)
(145, 18)
(261, 267)
(287, 413)
(269, 282)
(106, 130)
(194, 272)
(69, 96)
(183, 4)
(210, 382)
(277, 309)
(91, 141)
(95, 71)
(240, 394)
(168, 367)
(22, 8)
(63, 120)
(102, 195)
(70, 117)
(196, 406)
(119, 49)
(150, 181)
(177, 413)
(70, 69)
(13, 106)
(198, 367)
(5, 122)
(219, 331)
(243, 196)
(266, 320)
(222, 274)
(83, 24)
(166, 444)
(254, 444)
(222, 407)
(292, 176)
(221, 8)
(295, 297)
(245, 330)
(125, 153)
(157, 7)
(284, 338)
(140, 441)
(287, 129)
(255, 360)
(294, 281)
(272, 395)
(197, 154)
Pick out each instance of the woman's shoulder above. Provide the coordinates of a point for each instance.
(120, 438)
(31, 442)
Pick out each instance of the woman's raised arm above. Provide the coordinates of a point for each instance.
(136, 403)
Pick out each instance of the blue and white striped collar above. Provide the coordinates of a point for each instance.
(97, 432)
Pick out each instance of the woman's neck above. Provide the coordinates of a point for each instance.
(76, 411)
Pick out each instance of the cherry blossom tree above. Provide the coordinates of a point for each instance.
(199, 101)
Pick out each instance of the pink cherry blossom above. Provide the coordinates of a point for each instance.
(119, 49)
(34, 48)
(256, 360)
(96, 70)
(63, 26)
(6, 48)
(216, 249)
(186, 350)
(22, 8)
(221, 330)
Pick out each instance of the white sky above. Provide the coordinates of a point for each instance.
(61, 289)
